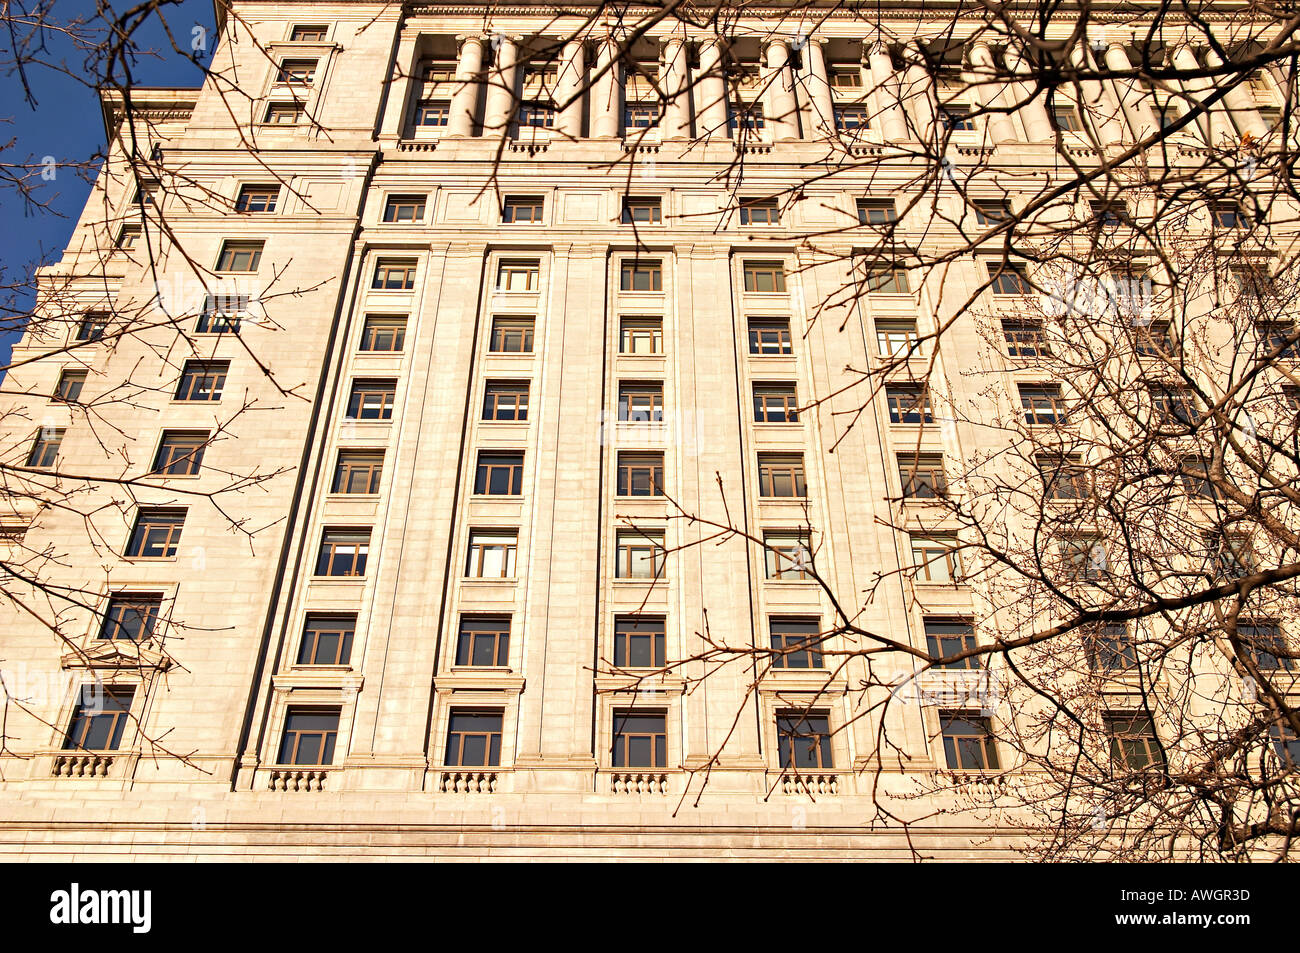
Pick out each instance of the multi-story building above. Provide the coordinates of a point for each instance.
(404, 563)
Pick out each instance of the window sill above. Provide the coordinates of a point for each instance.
(483, 581)
(496, 498)
(152, 560)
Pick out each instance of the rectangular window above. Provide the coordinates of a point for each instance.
(945, 638)
(639, 642)
(781, 475)
(992, 212)
(1172, 405)
(922, 476)
(1195, 475)
(956, 118)
(1084, 558)
(296, 72)
(499, 474)
(432, 112)
(483, 641)
(1064, 477)
(128, 237)
(522, 210)
(908, 404)
(775, 404)
(438, 72)
(68, 390)
(641, 335)
(787, 555)
(640, 403)
(936, 559)
(876, 212)
(760, 212)
(764, 277)
(1109, 647)
(283, 114)
(804, 740)
(640, 474)
(1133, 742)
(257, 198)
(45, 447)
(852, 118)
(156, 534)
(343, 552)
(511, 335)
(358, 472)
(131, 616)
(1065, 119)
(1279, 336)
(642, 211)
(308, 34)
(327, 638)
(506, 400)
(536, 116)
(1232, 555)
(796, 642)
(1228, 215)
(383, 332)
(221, 314)
(240, 257)
(640, 740)
(845, 77)
(746, 117)
(92, 327)
(180, 452)
(147, 193)
(404, 209)
(492, 554)
(372, 400)
(1008, 279)
(1025, 339)
(99, 719)
(309, 737)
(1153, 339)
(518, 276)
(202, 380)
(1286, 743)
(898, 338)
(1107, 214)
(887, 281)
(1270, 649)
(967, 741)
(1042, 404)
(394, 275)
(770, 336)
(639, 554)
(640, 275)
(473, 739)
(640, 116)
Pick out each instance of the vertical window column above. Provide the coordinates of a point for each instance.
(464, 101)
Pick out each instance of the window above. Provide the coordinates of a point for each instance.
(432, 112)
(1153, 339)
(506, 400)
(770, 336)
(640, 740)
(522, 210)
(240, 256)
(92, 326)
(641, 336)
(492, 554)
(1271, 116)
(1064, 477)
(876, 212)
(483, 641)
(781, 475)
(640, 116)
(1279, 336)
(1232, 555)
(640, 474)
(343, 552)
(128, 236)
(202, 380)
(764, 277)
(45, 447)
(499, 474)
(898, 338)
(640, 403)
(775, 404)
(936, 559)
(382, 332)
(1195, 474)
(796, 643)
(1227, 215)
(1267, 645)
(401, 209)
(760, 212)
(639, 554)
(518, 276)
(1133, 742)
(844, 77)
(992, 212)
(1042, 404)
(1084, 558)
(1110, 648)
(746, 117)
(221, 314)
(639, 642)
(327, 639)
(393, 275)
(1065, 119)
(852, 118)
(257, 198)
(1107, 213)
(283, 114)
(438, 72)
(180, 452)
(156, 534)
(967, 741)
(371, 400)
(536, 115)
(642, 211)
(922, 476)
(99, 719)
(908, 404)
(511, 335)
(887, 281)
(787, 555)
(309, 736)
(358, 472)
(296, 72)
(308, 34)
(641, 276)
(1008, 279)
(131, 616)
(473, 739)
(1286, 743)
(1025, 339)
(804, 740)
(69, 387)
(147, 193)
(1172, 404)
(956, 118)
(946, 638)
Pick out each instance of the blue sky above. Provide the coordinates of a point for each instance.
(65, 123)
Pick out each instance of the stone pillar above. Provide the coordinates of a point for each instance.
(1000, 127)
(1100, 111)
(606, 99)
(1209, 124)
(1239, 103)
(464, 102)
(822, 105)
(917, 95)
(779, 106)
(569, 84)
(885, 94)
(711, 93)
(676, 87)
(1032, 112)
(1137, 105)
(501, 98)
(404, 78)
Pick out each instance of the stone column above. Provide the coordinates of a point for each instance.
(823, 106)
(606, 100)
(677, 119)
(1000, 127)
(1239, 103)
(573, 70)
(1100, 111)
(464, 102)
(885, 94)
(711, 93)
(1209, 124)
(1032, 112)
(404, 80)
(779, 106)
(1137, 105)
(918, 97)
(501, 98)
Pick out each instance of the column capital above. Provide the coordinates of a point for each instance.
(463, 38)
